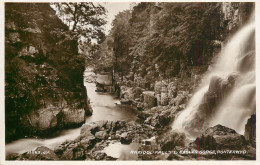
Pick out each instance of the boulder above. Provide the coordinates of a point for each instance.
(220, 138)
(43, 119)
(105, 79)
(149, 99)
(73, 116)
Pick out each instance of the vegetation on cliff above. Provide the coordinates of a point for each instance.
(156, 41)
(43, 69)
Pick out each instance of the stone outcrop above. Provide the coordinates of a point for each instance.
(43, 73)
(149, 99)
(220, 137)
(73, 116)
(218, 90)
(250, 130)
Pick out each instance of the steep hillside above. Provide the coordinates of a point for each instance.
(43, 72)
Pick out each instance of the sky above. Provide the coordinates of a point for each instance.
(113, 9)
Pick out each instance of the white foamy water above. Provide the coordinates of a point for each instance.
(239, 104)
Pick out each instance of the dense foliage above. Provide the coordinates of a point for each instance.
(164, 40)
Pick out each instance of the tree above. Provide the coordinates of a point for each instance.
(83, 18)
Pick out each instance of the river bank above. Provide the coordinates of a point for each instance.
(112, 133)
(104, 105)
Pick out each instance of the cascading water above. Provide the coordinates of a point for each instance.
(235, 102)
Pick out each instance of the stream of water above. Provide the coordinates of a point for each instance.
(105, 107)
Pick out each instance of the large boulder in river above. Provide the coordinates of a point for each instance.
(73, 116)
(105, 79)
(149, 99)
(42, 120)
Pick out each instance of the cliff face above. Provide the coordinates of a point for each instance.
(43, 72)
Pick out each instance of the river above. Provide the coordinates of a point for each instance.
(105, 107)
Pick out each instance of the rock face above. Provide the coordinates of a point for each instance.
(73, 116)
(43, 119)
(217, 92)
(250, 130)
(43, 71)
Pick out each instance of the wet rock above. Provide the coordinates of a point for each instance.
(105, 79)
(247, 62)
(149, 99)
(42, 120)
(250, 130)
(73, 116)
(217, 92)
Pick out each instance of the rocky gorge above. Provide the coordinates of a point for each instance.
(157, 95)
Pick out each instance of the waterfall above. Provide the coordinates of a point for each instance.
(227, 94)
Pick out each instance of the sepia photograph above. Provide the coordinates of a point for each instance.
(129, 81)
